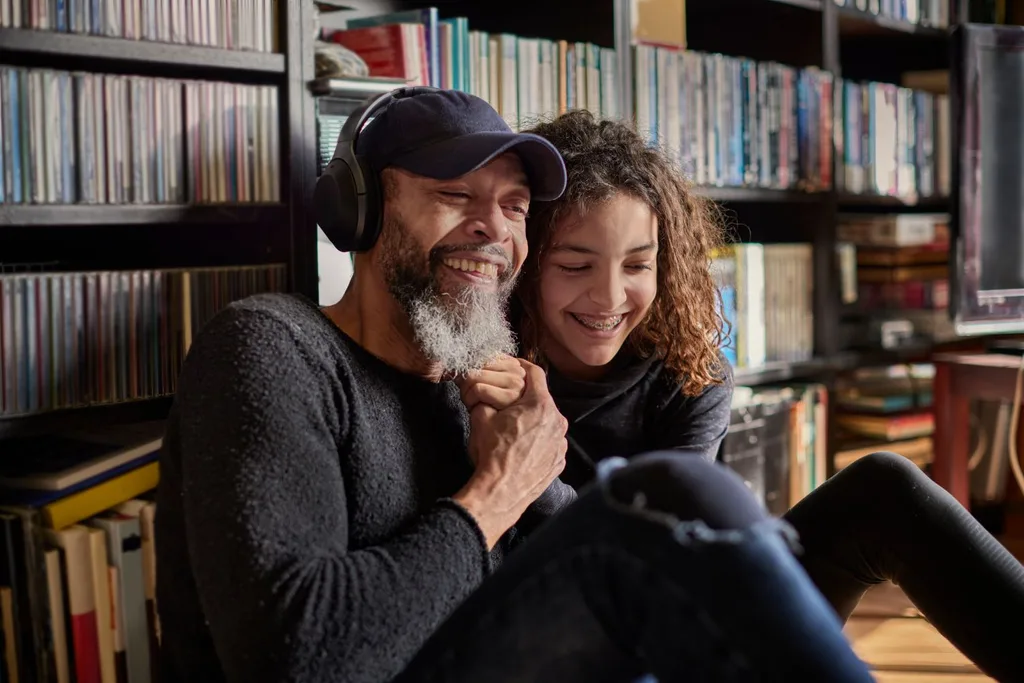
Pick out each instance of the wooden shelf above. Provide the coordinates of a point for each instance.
(325, 6)
(113, 413)
(68, 47)
(854, 22)
(858, 358)
(814, 5)
(844, 360)
(717, 6)
(780, 371)
(137, 214)
(847, 200)
(758, 194)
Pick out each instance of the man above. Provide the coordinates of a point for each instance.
(329, 512)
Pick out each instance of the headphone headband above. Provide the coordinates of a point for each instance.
(357, 119)
(347, 200)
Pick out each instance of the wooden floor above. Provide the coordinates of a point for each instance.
(901, 647)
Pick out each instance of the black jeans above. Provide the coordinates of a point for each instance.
(882, 519)
(665, 565)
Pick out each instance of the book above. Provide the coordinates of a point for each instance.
(56, 462)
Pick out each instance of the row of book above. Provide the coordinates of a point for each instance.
(78, 571)
(70, 137)
(934, 13)
(735, 122)
(524, 79)
(730, 121)
(777, 441)
(766, 296)
(892, 141)
(85, 338)
(228, 24)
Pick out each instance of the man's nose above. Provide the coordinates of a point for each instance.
(490, 224)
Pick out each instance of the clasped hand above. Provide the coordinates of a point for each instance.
(517, 440)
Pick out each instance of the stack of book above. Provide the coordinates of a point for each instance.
(886, 408)
(900, 264)
(78, 574)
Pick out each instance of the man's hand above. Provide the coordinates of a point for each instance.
(518, 452)
(499, 384)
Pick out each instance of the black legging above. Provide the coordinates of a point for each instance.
(881, 519)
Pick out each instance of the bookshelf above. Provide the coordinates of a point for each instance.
(52, 47)
(14, 216)
(819, 54)
(185, 95)
(155, 164)
(837, 40)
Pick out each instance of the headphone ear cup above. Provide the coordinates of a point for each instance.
(371, 207)
(337, 204)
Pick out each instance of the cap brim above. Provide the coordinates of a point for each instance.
(455, 157)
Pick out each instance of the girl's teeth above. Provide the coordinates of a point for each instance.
(599, 323)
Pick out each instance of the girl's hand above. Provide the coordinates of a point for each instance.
(498, 385)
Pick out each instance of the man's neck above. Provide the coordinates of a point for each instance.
(372, 317)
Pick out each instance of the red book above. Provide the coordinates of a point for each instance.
(77, 560)
(389, 50)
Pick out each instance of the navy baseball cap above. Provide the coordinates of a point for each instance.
(444, 134)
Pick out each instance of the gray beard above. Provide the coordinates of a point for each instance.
(459, 331)
(463, 333)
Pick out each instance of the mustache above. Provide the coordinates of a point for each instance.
(437, 254)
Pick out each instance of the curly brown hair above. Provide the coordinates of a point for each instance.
(603, 158)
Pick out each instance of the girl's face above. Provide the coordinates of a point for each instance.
(597, 282)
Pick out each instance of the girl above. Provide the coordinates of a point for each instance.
(616, 301)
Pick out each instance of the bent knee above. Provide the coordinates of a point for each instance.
(885, 464)
(687, 487)
(883, 471)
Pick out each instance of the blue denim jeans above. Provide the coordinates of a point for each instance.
(612, 590)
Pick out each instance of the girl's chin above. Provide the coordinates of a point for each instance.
(596, 360)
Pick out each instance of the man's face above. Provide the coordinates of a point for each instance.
(450, 251)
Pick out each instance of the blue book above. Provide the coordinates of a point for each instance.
(12, 113)
(729, 313)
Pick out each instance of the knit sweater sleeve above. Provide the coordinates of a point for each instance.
(695, 424)
(262, 440)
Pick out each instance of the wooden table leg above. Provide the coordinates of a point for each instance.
(951, 440)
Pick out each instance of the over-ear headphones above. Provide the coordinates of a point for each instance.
(347, 201)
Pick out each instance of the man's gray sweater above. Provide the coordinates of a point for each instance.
(305, 530)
